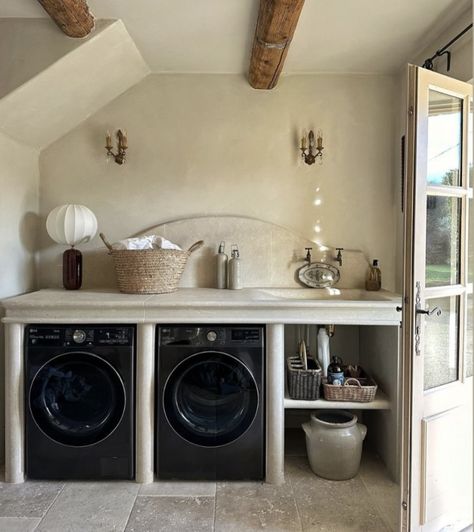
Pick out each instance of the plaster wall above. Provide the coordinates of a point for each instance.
(30, 45)
(461, 59)
(211, 145)
(19, 178)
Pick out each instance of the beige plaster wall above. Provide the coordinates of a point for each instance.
(30, 45)
(209, 145)
(461, 59)
(19, 178)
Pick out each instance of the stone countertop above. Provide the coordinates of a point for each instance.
(197, 305)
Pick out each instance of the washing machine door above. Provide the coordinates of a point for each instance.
(77, 399)
(210, 399)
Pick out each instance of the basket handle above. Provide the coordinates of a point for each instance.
(303, 355)
(106, 242)
(348, 381)
(196, 246)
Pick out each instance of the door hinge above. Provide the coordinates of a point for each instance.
(411, 110)
(405, 505)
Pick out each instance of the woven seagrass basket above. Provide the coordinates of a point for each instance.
(303, 376)
(360, 390)
(149, 271)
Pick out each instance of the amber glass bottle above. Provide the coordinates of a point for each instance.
(374, 277)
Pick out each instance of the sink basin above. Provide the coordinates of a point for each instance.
(330, 294)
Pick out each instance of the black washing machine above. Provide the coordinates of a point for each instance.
(79, 401)
(210, 402)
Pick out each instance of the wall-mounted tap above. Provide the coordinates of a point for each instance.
(308, 255)
(338, 257)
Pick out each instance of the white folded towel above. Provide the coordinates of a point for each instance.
(145, 242)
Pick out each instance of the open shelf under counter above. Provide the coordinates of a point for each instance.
(381, 402)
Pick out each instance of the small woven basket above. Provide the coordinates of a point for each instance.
(304, 376)
(360, 390)
(149, 271)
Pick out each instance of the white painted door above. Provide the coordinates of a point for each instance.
(437, 317)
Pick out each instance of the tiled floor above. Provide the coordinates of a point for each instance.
(305, 502)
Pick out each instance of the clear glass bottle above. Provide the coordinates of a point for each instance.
(234, 271)
(374, 277)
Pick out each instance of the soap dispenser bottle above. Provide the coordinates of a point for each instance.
(221, 263)
(235, 281)
(374, 277)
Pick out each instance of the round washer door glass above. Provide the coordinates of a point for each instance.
(77, 399)
(210, 399)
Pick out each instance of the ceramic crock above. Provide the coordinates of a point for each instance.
(334, 443)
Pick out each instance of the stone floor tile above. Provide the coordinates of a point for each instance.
(172, 514)
(18, 524)
(28, 499)
(178, 489)
(91, 506)
(332, 506)
(383, 491)
(250, 506)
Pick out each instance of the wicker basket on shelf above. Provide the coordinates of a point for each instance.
(303, 375)
(360, 390)
(149, 271)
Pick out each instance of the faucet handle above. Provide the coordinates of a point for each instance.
(339, 249)
(308, 249)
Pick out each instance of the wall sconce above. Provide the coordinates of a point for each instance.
(310, 151)
(122, 145)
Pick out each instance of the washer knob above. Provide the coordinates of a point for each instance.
(79, 336)
(212, 336)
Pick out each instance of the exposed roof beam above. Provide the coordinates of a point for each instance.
(276, 24)
(72, 16)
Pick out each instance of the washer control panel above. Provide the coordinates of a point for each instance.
(211, 336)
(79, 335)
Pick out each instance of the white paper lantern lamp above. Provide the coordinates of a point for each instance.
(71, 225)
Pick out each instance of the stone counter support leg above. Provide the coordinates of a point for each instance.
(14, 404)
(145, 403)
(275, 387)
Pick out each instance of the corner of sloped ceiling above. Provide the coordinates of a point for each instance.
(73, 88)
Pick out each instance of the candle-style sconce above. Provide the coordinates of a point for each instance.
(122, 145)
(311, 150)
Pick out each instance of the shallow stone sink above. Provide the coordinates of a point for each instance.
(343, 294)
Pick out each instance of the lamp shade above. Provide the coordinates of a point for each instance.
(71, 224)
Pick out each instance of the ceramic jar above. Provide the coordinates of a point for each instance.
(334, 443)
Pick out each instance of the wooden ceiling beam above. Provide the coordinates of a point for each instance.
(72, 16)
(276, 24)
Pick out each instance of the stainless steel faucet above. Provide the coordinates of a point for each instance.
(308, 255)
(338, 257)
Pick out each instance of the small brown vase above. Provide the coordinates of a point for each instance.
(72, 269)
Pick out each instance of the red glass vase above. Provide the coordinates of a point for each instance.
(72, 269)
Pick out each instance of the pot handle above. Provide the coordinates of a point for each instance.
(307, 428)
(362, 430)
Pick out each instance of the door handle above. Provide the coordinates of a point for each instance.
(429, 312)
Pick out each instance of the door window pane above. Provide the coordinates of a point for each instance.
(469, 338)
(441, 343)
(443, 220)
(470, 279)
(444, 139)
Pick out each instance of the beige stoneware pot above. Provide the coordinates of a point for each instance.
(334, 443)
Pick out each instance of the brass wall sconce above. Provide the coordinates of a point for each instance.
(311, 150)
(122, 145)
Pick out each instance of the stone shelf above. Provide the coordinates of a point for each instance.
(381, 402)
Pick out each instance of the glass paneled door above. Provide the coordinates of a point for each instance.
(437, 294)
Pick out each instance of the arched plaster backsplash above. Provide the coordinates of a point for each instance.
(270, 254)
